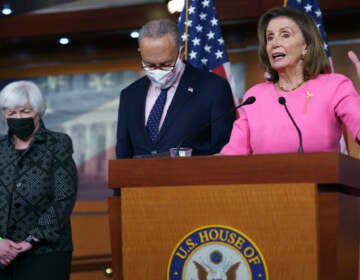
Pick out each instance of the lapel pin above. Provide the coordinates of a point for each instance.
(308, 96)
(190, 89)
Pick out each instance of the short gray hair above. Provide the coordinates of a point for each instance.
(21, 92)
(161, 27)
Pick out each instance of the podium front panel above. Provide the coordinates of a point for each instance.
(281, 219)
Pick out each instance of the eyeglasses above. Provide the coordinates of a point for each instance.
(149, 67)
(161, 66)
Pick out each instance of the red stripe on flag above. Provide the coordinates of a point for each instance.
(220, 71)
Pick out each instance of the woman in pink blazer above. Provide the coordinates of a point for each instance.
(302, 105)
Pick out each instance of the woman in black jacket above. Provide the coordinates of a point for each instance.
(38, 184)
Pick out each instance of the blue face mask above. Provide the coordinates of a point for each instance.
(21, 128)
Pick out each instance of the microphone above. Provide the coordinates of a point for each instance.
(248, 101)
(282, 101)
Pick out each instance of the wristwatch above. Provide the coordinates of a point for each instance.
(30, 239)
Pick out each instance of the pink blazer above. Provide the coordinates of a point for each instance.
(318, 107)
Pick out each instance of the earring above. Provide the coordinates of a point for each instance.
(267, 75)
(303, 54)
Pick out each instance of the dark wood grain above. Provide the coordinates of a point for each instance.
(322, 168)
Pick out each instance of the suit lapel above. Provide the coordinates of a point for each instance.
(139, 116)
(184, 92)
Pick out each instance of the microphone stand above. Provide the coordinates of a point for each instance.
(282, 101)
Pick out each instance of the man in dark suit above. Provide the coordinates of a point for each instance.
(174, 103)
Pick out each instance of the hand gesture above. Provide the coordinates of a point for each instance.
(354, 58)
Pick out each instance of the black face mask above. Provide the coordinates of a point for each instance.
(21, 128)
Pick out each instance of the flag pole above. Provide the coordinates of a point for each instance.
(186, 28)
(285, 3)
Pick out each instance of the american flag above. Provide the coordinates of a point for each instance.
(203, 41)
(312, 8)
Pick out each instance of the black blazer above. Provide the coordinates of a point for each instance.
(201, 97)
(38, 190)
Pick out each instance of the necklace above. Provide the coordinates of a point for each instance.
(292, 89)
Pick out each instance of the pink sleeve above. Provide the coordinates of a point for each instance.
(239, 143)
(346, 103)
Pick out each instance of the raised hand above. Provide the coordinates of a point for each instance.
(354, 58)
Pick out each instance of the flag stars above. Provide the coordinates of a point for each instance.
(184, 37)
(210, 35)
(207, 48)
(318, 13)
(325, 46)
(299, 1)
(202, 16)
(192, 55)
(214, 21)
(191, 10)
(219, 54)
(188, 23)
(205, 3)
(196, 41)
(204, 60)
(199, 28)
(308, 8)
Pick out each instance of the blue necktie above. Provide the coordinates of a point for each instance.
(152, 125)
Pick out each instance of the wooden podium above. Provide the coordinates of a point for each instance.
(301, 210)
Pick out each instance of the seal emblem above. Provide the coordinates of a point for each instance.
(216, 252)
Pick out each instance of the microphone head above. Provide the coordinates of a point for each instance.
(249, 100)
(282, 100)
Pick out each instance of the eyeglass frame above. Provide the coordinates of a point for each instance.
(158, 67)
(161, 67)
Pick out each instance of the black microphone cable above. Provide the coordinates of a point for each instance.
(282, 101)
